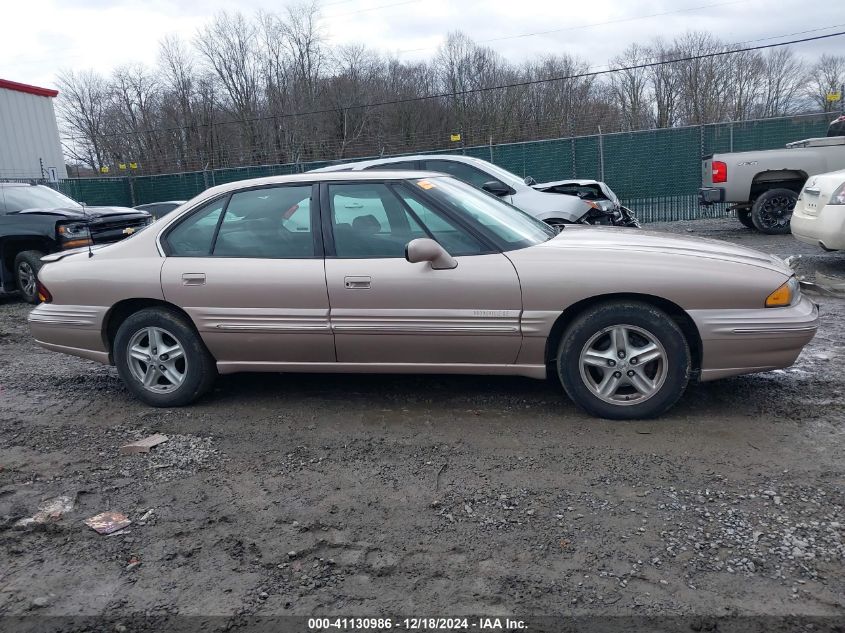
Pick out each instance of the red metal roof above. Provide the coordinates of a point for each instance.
(33, 90)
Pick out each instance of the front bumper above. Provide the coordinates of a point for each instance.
(736, 342)
(711, 195)
(825, 229)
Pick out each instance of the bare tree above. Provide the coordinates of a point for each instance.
(783, 78)
(630, 88)
(82, 110)
(826, 77)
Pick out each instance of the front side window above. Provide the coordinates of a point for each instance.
(455, 239)
(267, 223)
(503, 223)
(369, 221)
(461, 171)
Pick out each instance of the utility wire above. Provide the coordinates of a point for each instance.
(519, 84)
(586, 26)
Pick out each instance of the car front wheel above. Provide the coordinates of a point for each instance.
(162, 359)
(623, 361)
(27, 265)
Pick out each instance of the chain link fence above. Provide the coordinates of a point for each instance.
(656, 172)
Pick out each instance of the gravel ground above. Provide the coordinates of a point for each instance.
(403, 495)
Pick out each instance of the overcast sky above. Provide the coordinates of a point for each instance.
(40, 37)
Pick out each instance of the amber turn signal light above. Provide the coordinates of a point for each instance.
(784, 295)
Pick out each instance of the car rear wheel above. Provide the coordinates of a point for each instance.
(622, 361)
(744, 216)
(162, 359)
(771, 212)
(27, 265)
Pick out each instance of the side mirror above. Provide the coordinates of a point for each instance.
(497, 188)
(426, 250)
(529, 181)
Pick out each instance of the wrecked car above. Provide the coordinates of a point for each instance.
(591, 202)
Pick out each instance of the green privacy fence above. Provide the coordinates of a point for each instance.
(655, 172)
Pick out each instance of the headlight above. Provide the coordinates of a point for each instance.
(74, 232)
(74, 235)
(785, 295)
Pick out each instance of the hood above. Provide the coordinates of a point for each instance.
(90, 213)
(636, 241)
(571, 181)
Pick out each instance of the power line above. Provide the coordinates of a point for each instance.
(586, 26)
(519, 84)
(383, 6)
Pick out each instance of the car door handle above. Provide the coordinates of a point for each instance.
(193, 279)
(356, 283)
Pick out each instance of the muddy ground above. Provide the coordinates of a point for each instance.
(402, 495)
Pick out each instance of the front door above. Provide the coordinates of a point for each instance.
(385, 310)
(248, 269)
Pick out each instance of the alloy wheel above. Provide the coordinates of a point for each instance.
(776, 211)
(623, 364)
(157, 360)
(26, 278)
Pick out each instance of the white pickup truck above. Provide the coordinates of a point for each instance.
(763, 186)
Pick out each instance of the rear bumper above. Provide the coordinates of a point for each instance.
(75, 330)
(825, 229)
(711, 195)
(736, 342)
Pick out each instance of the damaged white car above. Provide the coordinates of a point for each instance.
(556, 203)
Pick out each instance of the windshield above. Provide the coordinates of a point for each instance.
(34, 197)
(509, 227)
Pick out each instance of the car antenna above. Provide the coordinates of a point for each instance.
(88, 226)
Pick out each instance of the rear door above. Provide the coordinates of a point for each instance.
(248, 268)
(385, 310)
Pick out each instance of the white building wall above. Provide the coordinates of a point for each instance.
(28, 132)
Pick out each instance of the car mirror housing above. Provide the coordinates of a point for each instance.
(427, 250)
(497, 188)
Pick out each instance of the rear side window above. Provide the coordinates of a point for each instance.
(194, 235)
(267, 223)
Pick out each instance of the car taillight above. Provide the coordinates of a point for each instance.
(720, 171)
(838, 196)
(44, 295)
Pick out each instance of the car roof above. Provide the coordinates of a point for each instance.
(314, 176)
(363, 164)
(19, 184)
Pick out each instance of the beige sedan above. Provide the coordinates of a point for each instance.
(414, 272)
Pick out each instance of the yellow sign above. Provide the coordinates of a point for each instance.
(834, 96)
(455, 138)
(133, 165)
(104, 170)
(121, 166)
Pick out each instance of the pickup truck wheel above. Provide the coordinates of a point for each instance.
(772, 211)
(623, 361)
(27, 265)
(744, 216)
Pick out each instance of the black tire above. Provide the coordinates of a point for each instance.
(670, 372)
(27, 265)
(198, 369)
(771, 212)
(744, 216)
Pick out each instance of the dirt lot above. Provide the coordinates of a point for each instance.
(366, 495)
